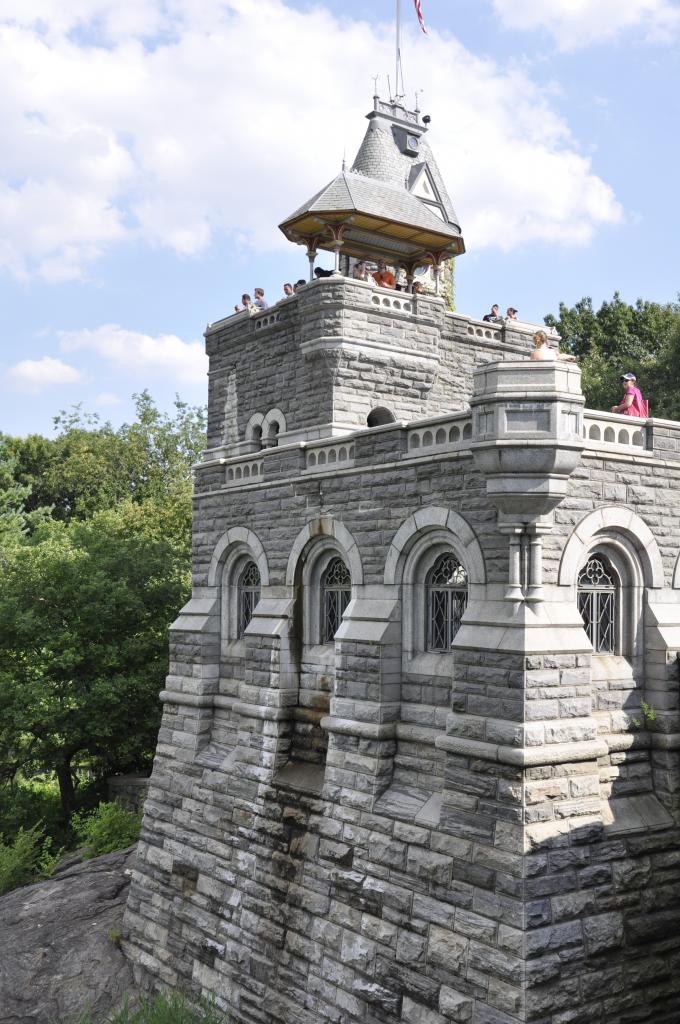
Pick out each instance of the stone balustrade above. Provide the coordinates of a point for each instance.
(340, 455)
(244, 470)
(608, 428)
(442, 432)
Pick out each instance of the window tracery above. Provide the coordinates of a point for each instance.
(248, 595)
(336, 590)
(446, 593)
(598, 601)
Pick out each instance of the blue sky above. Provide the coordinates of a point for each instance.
(151, 147)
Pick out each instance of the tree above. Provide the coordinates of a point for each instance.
(12, 498)
(84, 612)
(89, 466)
(619, 337)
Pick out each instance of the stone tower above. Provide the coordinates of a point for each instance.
(419, 753)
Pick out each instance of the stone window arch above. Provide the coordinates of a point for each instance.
(380, 416)
(253, 431)
(427, 544)
(238, 560)
(273, 425)
(240, 587)
(610, 588)
(446, 594)
(326, 592)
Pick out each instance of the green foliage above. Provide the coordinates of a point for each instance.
(648, 715)
(164, 1009)
(26, 859)
(448, 283)
(84, 613)
(108, 828)
(95, 529)
(13, 496)
(27, 802)
(643, 338)
(89, 466)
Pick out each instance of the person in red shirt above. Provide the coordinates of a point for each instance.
(384, 277)
(632, 403)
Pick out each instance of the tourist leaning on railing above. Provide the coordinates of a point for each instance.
(632, 403)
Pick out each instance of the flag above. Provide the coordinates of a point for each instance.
(419, 12)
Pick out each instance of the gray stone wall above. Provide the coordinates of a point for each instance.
(489, 835)
(339, 348)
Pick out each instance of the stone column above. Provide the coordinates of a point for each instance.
(366, 702)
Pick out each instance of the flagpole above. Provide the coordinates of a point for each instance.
(398, 53)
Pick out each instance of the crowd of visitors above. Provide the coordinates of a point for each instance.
(382, 276)
(631, 404)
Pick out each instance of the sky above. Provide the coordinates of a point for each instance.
(151, 148)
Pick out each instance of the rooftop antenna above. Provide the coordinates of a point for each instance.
(376, 98)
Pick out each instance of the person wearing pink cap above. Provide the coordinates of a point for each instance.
(632, 403)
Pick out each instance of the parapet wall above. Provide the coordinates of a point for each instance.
(340, 348)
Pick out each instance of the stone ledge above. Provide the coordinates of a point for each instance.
(624, 815)
(525, 757)
(298, 776)
(363, 730)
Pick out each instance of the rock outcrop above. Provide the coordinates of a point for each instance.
(58, 952)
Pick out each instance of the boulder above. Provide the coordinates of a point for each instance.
(58, 943)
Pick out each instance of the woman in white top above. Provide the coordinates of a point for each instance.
(542, 349)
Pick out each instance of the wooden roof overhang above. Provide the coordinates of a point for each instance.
(367, 235)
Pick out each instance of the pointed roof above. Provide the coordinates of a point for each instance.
(393, 202)
(383, 155)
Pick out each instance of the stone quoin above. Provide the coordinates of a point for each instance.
(420, 752)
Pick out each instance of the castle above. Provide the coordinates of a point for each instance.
(419, 757)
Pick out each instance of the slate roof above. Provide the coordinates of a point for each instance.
(374, 201)
(380, 157)
(351, 192)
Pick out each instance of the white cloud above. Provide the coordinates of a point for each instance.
(33, 376)
(107, 398)
(575, 23)
(181, 127)
(165, 355)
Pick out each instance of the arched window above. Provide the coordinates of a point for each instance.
(446, 593)
(336, 590)
(380, 416)
(598, 603)
(273, 434)
(248, 595)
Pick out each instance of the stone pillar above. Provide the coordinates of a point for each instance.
(366, 702)
(192, 681)
(521, 740)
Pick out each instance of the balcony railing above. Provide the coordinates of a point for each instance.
(603, 430)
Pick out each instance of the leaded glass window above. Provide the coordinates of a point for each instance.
(446, 588)
(336, 590)
(248, 595)
(597, 603)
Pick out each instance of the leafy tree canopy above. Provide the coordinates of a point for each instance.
(84, 613)
(95, 562)
(90, 466)
(643, 338)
